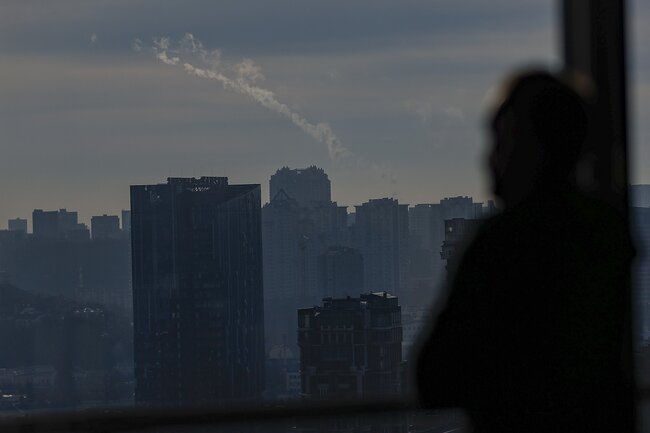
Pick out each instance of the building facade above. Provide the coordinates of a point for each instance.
(298, 225)
(640, 228)
(308, 186)
(17, 225)
(105, 227)
(74, 267)
(351, 348)
(427, 235)
(381, 233)
(458, 231)
(126, 222)
(340, 272)
(58, 224)
(286, 263)
(640, 196)
(197, 291)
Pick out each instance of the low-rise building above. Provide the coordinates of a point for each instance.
(351, 347)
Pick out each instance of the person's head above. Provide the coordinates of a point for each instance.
(539, 130)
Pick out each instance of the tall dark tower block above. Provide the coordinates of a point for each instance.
(197, 291)
(308, 186)
(381, 234)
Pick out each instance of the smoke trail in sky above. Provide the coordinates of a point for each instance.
(241, 78)
(136, 45)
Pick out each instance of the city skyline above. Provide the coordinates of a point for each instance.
(193, 238)
(86, 217)
(638, 202)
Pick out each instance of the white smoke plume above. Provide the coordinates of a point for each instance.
(242, 78)
(136, 45)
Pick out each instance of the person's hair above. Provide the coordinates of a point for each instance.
(555, 115)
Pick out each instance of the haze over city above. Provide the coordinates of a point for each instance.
(85, 115)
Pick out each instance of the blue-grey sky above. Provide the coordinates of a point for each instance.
(403, 84)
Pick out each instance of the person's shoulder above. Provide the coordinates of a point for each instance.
(481, 246)
(497, 228)
(606, 224)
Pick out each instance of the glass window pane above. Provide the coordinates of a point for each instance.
(639, 92)
(352, 136)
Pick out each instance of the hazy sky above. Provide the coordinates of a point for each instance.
(402, 84)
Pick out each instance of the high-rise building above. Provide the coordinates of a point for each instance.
(340, 272)
(640, 195)
(416, 322)
(351, 348)
(68, 221)
(45, 224)
(78, 232)
(126, 222)
(381, 233)
(17, 225)
(427, 230)
(457, 232)
(640, 228)
(285, 268)
(424, 225)
(105, 227)
(197, 291)
(54, 224)
(460, 207)
(298, 225)
(308, 186)
(427, 221)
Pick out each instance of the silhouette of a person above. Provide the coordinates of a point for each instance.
(533, 333)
